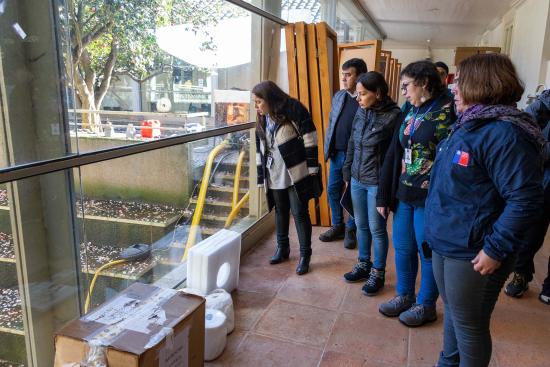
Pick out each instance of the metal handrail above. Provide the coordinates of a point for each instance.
(191, 238)
(26, 170)
(236, 210)
(237, 179)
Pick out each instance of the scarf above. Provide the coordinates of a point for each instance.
(504, 113)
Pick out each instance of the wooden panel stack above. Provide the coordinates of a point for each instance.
(310, 75)
(314, 62)
(384, 64)
(376, 59)
(396, 82)
(369, 50)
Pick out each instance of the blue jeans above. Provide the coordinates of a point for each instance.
(371, 226)
(335, 189)
(469, 299)
(408, 235)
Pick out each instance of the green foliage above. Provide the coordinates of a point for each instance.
(129, 25)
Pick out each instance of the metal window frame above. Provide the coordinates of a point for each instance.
(26, 170)
(254, 9)
(37, 168)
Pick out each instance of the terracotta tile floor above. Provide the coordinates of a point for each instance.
(319, 320)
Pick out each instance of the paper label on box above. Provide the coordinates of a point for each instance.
(115, 311)
(177, 354)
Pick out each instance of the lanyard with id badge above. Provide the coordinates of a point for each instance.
(271, 127)
(408, 150)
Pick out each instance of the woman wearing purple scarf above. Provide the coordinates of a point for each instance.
(485, 193)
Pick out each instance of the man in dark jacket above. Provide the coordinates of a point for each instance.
(525, 268)
(343, 109)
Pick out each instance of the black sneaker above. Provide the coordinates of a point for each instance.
(360, 272)
(396, 305)
(334, 233)
(350, 239)
(418, 315)
(517, 286)
(375, 282)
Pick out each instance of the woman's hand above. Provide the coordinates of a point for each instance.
(383, 210)
(347, 184)
(484, 264)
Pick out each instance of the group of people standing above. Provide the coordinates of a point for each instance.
(461, 172)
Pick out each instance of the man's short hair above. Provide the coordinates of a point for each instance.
(442, 65)
(358, 64)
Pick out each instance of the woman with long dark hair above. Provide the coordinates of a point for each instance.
(485, 195)
(287, 161)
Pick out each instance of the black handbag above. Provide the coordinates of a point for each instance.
(316, 179)
(317, 184)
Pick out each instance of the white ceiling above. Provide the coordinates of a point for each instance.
(446, 23)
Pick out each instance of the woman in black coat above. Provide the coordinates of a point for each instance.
(371, 134)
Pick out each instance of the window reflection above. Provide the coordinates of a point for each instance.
(159, 74)
(90, 75)
(168, 209)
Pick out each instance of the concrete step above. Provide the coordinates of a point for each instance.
(225, 189)
(216, 203)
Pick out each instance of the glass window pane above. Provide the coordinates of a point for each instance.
(156, 199)
(39, 284)
(60, 231)
(182, 67)
(12, 337)
(88, 75)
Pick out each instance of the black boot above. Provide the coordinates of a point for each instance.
(281, 254)
(303, 265)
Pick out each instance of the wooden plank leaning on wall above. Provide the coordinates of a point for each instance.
(369, 50)
(329, 77)
(303, 86)
(384, 64)
(291, 61)
(316, 114)
(391, 79)
(397, 83)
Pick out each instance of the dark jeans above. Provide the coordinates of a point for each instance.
(335, 189)
(524, 263)
(469, 300)
(287, 200)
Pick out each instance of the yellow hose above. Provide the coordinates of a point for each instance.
(237, 181)
(92, 284)
(202, 197)
(236, 210)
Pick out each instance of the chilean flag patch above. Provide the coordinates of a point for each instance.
(461, 158)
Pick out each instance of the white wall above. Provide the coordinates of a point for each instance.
(494, 37)
(545, 65)
(527, 43)
(530, 50)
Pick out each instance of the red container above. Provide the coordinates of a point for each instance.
(150, 129)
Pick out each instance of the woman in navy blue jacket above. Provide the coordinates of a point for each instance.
(485, 193)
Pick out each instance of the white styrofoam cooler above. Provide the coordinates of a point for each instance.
(214, 262)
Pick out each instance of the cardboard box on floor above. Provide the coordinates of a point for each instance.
(143, 326)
